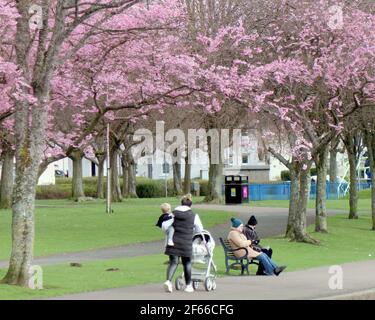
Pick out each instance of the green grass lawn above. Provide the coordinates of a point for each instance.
(363, 194)
(63, 279)
(347, 241)
(364, 205)
(66, 226)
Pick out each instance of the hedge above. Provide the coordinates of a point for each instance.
(146, 188)
(285, 175)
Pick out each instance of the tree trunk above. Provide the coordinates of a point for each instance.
(293, 201)
(353, 191)
(187, 176)
(77, 181)
(29, 131)
(215, 182)
(333, 166)
(132, 183)
(370, 144)
(6, 187)
(333, 162)
(321, 194)
(177, 178)
(115, 182)
(300, 223)
(215, 178)
(373, 195)
(125, 178)
(29, 149)
(99, 186)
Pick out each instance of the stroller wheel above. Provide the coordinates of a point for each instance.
(208, 284)
(195, 285)
(213, 285)
(179, 283)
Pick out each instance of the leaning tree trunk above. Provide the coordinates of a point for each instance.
(6, 187)
(293, 201)
(300, 223)
(353, 191)
(132, 183)
(77, 181)
(321, 194)
(187, 176)
(99, 185)
(177, 177)
(115, 181)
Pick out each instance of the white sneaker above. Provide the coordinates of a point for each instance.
(168, 286)
(189, 288)
(170, 243)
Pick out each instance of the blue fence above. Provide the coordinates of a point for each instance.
(281, 191)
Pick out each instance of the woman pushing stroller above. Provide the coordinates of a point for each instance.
(185, 224)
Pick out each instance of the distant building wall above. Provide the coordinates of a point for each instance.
(48, 176)
(255, 173)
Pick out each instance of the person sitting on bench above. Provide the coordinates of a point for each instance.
(238, 240)
(251, 234)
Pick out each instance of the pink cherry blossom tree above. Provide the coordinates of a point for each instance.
(306, 78)
(62, 30)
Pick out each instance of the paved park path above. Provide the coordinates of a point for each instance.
(271, 222)
(306, 284)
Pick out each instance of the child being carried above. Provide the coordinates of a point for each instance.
(167, 215)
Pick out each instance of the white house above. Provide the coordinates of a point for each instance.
(147, 166)
(249, 164)
(48, 176)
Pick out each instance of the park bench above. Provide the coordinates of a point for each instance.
(243, 261)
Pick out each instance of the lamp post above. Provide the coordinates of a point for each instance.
(166, 177)
(108, 198)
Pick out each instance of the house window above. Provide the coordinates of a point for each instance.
(93, 169)
(230, 160)
(245, 159)
(149, 170)
(165, 167)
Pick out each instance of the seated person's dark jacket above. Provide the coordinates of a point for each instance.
(251, 234)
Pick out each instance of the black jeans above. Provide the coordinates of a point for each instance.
(260, 271)
(173, 263)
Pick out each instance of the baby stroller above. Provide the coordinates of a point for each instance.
(203, 267)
